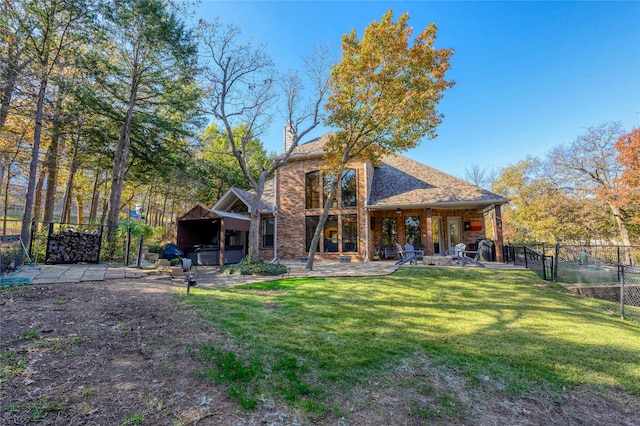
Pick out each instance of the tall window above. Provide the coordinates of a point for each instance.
(328, 181)
(331, 234)
(311, 225)
(267, 232)
(349, 233)
(389, 231)
(412, 230)
(349, 192)
(312, 190)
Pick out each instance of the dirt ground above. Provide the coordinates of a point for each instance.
(116, 353)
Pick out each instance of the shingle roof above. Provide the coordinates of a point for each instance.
(312, 149)
(268, 197)
(402, 182)
(398, 182)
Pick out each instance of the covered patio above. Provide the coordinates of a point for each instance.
(211, 237)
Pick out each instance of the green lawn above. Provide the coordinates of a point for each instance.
(302, 339)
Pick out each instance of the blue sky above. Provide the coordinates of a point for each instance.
(529, 75)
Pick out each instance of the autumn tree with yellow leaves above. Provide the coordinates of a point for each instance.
(383, 97)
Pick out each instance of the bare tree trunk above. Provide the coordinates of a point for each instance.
(80, 204)
(173, 206)
(37, 203)
(51, 163)
(8, 185)
(33, 165)
(254, 225)
(68, 194)
(105, 203)
(95, 197)
(164, 207)
(147, 218)
(622, 227)
(6, 201)
(120, 160)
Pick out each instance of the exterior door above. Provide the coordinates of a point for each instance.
(438, 237)
(454, 228)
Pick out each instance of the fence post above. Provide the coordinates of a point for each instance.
(618, 250)
(32, 231)
(126, 252)
(46, 253)
(555, 265)
(140, 252)
(621, 274)
(544, 263)
(100, 243)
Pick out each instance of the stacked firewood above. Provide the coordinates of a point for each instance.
(73, 246)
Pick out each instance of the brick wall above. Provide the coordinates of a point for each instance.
(468, 237)
(291, 233)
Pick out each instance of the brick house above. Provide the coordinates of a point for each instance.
(399, 200)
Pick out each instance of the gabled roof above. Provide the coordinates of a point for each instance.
(247, 197)
(400, 182)
(199, 212)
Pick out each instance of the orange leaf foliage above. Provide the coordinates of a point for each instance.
(628, 146)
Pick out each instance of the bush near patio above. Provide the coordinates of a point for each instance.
(506, 331)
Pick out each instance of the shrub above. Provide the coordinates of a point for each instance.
(259, 267)
(154, 247)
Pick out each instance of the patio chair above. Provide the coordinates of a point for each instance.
(408, 248)
(461, 254)
(458, 250)
(405, 256)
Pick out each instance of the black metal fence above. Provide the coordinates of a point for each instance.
(67, 243)
(537, 261)
(603, 271)
(601, 266)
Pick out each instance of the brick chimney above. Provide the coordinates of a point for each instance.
(289, 137)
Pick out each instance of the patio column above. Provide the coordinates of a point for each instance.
(428, 249)
(497, 226)
(222, 238)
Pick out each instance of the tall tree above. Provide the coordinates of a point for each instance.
(542, 210)
(150, 47)
(480, 176)
(217, 169)
(241, 83)
(383, 97)
(628, 197)
(13, 59)
(49, 27)
(588, 166)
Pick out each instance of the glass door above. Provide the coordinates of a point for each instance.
(454, 226)
(436, 230)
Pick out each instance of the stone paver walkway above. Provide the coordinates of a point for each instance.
(210, 275)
